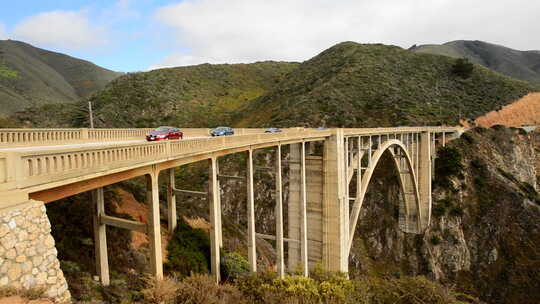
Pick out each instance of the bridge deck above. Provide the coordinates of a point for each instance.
(36, 166)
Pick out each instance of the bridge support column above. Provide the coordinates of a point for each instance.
(171, 201)
(252, 245)
(335, 209)
(279, 217)
(154, 229)
(303, 213)
(293, 207)
(213, 200)
(100, 236)
(424, 178)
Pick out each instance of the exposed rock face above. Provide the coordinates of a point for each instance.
(27, 252)
(485, 226)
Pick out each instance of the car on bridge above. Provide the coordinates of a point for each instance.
(164, 133)
(272, 130)
(222, 131)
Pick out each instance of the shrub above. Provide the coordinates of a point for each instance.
(447, 165)
(463, 68)
(435, 240)
(406, 290)
(33, 293)
(202, 289)
(233, 265)
(438, 210)
(188, 250)
(456, 211)
(322, 287)
(160, 291)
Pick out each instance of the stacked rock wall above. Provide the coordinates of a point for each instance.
(27, 252)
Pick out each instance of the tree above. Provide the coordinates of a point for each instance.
(463, 68)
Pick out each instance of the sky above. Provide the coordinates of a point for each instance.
(140, 35)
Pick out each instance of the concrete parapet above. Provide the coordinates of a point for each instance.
(27, 251)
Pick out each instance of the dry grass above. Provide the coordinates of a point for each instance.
(525, 111)
(198, 223)
(33, 293)
(160, 291)
(202, 289)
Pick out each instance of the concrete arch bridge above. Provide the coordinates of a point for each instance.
(40, 166)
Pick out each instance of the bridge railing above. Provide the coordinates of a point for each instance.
(40, 137)
(28, 168)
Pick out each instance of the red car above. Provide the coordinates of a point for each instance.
(164, 133)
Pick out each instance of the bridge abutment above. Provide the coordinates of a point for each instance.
(28, 257)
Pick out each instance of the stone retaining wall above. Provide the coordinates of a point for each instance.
(27, 252)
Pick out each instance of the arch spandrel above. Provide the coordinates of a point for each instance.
(410, 217)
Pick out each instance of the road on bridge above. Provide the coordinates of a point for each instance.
(82, 145)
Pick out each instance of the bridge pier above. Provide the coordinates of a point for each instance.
(215, 226)
(280, 262)
(100, 236)
(335, 225)
(154, 228)
(252, 245)
(171, 201)
(424, 178)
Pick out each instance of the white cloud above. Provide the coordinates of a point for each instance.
(3, 32)
(69, 30)
(218, 31)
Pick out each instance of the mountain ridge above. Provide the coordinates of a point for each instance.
(372, 85)
(524, 65)
(35, 76)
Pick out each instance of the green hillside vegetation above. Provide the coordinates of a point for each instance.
(32, 76)
(359, 85)
(524, 65)
(194, 96)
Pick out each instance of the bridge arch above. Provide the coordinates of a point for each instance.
(409, 210)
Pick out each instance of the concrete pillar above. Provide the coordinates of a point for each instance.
(433, 155)
(293, 207)
(171, 202)
(154, 229)
(252, 247)
(279, 217)
(100, 237)
(335, 221)
(443, 139)
(213, 200)
(219, 225)
(424, 179)
(303, 213)
(314, 199)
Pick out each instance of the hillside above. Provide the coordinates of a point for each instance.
(524, 65)
(358, 85)
(33, 76)
(525, 111)
(195, 96)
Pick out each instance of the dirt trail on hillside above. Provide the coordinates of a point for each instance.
(525, 111)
